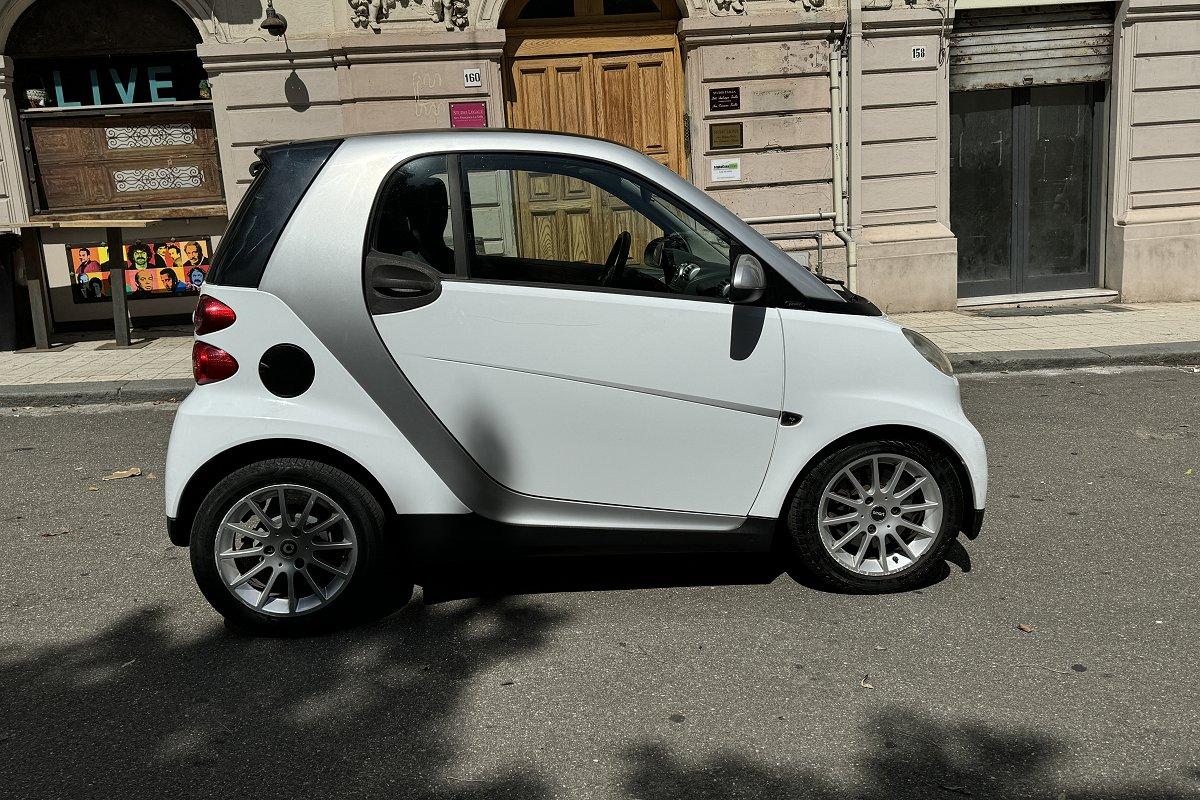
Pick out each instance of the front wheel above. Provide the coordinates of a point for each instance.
(291, 545)
(875, 516)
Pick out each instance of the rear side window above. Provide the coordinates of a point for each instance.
(412, 215)
(284, 175)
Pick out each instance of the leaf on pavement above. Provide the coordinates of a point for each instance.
(123, 473)
(863, 683)
(59, 532)
(1023, 628)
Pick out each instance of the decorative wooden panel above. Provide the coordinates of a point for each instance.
(126, 161)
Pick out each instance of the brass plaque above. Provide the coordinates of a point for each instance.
(725, 135)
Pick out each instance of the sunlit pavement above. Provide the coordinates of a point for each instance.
(648, 678)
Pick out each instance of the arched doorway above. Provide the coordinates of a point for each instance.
(606, 68)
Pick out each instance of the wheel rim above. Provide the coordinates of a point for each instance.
(286, 550)
(880, 515)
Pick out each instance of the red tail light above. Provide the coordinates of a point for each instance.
(211, 364)
(212, 315)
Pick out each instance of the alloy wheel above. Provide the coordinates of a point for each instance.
(286, 549)
(880, 515)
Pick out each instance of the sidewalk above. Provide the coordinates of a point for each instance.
(82, 370)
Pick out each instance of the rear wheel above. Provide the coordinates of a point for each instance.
(875, 516)
(292, 545)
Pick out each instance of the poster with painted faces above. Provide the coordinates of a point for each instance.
(152, 269)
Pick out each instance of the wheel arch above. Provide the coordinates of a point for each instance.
(906, 432)
(220, 465)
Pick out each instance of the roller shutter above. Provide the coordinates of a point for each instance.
(1023, 46)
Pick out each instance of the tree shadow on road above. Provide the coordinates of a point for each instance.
(908, 755)
(142, 710)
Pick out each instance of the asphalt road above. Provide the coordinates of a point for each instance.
(634, 678)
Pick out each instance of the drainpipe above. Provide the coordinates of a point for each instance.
(853, 88)
(836, 101)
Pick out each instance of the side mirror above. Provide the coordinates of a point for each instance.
(749, 280)
(653, 255)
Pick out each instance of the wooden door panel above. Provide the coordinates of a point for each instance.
(639, 105)
(629, 98)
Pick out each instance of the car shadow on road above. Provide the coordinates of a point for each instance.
(505, 574)
(510, 575)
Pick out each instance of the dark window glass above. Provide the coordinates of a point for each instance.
(412, 217)
(1060, 177)
(547, 9)
(629, 7)
(534, 219)
(981, 185)
(284, 174)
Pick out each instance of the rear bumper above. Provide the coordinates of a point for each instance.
(177, 532)
(974, 523)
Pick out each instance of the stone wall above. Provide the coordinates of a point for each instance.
(1154, 237)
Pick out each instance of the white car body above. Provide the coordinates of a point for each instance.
(542, 406)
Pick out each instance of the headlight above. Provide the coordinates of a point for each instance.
(932, 353)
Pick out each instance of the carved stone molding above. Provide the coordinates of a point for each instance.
(451, 13)
(728, 7)
(369, 13)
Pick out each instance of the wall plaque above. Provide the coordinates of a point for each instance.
(725, 135)
(725, 98)
(471, 114)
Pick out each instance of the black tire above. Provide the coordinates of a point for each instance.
(372, 586)
(818, 563)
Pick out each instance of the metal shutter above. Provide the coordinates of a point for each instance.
(1021, 46)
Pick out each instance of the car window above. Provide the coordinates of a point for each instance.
(282, 176)
(563, 221)
(412, 216)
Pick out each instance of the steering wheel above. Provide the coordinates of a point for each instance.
(614, 265)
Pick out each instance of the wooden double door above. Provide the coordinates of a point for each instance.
(631, 97)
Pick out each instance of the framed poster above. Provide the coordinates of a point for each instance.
(162, 268)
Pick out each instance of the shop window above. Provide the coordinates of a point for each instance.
(114, 121)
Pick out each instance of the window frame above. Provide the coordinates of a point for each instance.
(461, 197)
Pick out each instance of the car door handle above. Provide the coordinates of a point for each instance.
(393, 287)
(397, 286)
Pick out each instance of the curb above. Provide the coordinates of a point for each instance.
(94, 392)
(1169, 354)
(97, 392)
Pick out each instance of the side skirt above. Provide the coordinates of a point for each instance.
(446, 537)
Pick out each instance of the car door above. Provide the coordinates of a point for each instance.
(652, 391)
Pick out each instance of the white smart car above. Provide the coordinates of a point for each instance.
(509, 339)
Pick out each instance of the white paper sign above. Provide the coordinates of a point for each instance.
(726, 169)
(472, 78)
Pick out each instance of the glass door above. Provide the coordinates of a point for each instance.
(1024, 187)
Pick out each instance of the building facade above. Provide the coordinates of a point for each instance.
(933, 154)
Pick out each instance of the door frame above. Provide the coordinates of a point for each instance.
(1017, 283)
